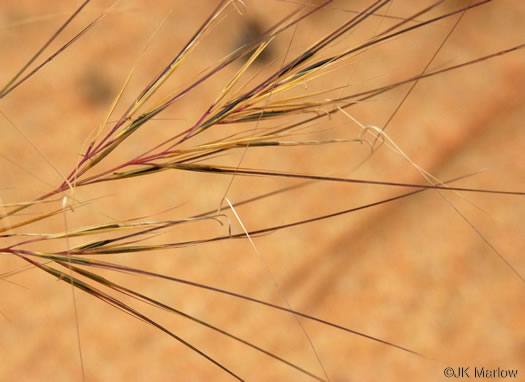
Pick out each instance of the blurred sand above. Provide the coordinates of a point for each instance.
(412, 272)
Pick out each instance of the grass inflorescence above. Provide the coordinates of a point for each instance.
(315, 198)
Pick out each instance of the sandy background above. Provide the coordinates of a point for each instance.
(412, 272)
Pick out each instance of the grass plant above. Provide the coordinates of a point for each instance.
(337, 198)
